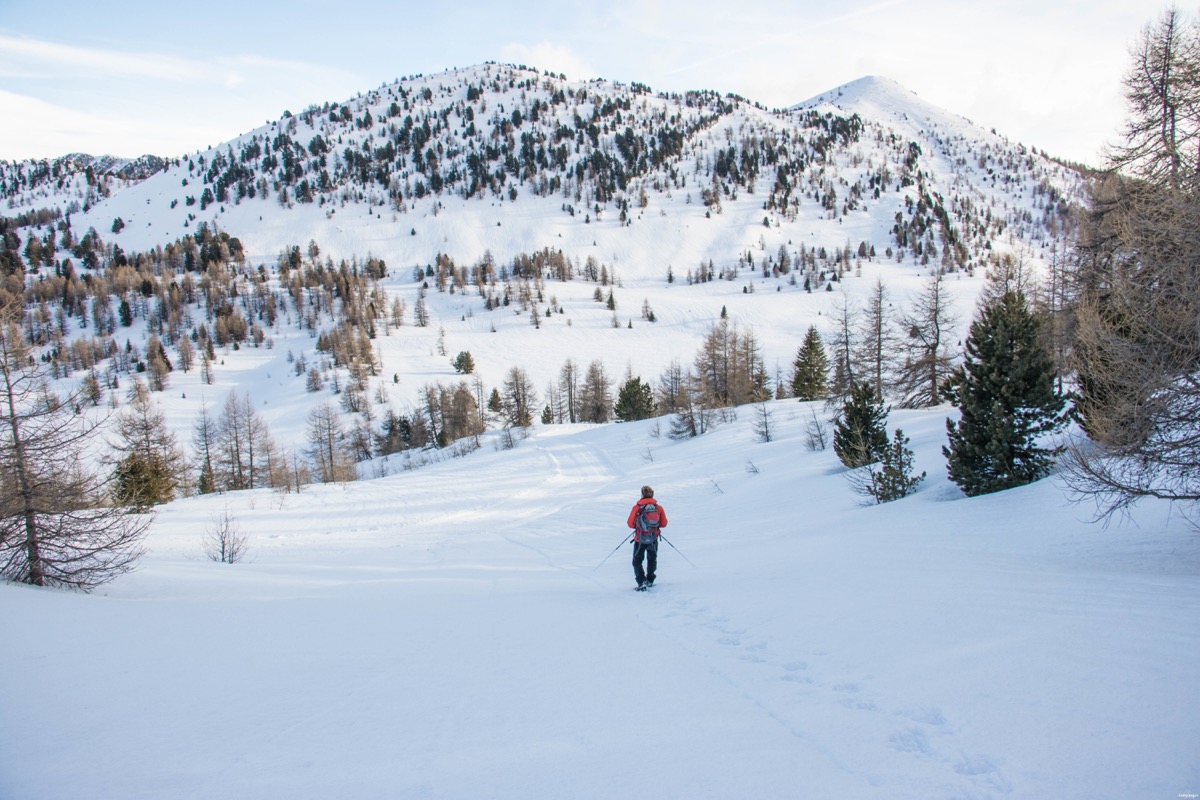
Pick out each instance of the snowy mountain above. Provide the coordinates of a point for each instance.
(496, 197)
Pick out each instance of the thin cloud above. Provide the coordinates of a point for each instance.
(105, 100)
(48, 59)
(42, 59)
(552, 57)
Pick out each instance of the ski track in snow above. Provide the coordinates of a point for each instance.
(754, 670)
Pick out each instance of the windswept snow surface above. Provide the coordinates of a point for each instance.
(445, 633)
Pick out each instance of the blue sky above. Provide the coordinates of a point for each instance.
(136, 77)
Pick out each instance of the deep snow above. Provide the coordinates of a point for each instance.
(445, 632)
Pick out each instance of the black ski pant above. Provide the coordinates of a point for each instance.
(649, 554)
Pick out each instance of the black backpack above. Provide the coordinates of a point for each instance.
(647, 522)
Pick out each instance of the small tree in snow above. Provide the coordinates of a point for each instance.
(224, 542)
(892, 478)
(860, 435)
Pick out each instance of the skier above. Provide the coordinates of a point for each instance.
(646, 518)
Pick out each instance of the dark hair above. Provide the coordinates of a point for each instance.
(647, 491)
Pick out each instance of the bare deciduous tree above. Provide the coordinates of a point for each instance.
(764, 422)
(1137, 351)
(328, 448)
(1137, 341)
(57, 524)
(816, 433)
(224, 541)
(929, 330)
(595, 398)
(568, 385)
(244, 450)
(842, 347)
(877, 342)
(518, 398)
(1161, 141)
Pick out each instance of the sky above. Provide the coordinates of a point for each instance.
(130, 78)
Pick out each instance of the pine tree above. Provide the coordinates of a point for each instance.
(1006, 393)
(635, 401)
(810, 376)
(208, 481)
(860, 431)
(894, 478)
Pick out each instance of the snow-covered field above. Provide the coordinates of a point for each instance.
(446, 633)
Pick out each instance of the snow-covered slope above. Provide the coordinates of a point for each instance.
(447, 632)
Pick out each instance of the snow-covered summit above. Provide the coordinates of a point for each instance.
(875, 89)
(889, 103)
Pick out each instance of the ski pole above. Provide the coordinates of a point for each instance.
(676, 549)
(610, 555)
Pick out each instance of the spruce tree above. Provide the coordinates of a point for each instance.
(1005, 391)
(860, 431)
(810, 376)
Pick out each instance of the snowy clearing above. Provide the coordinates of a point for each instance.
(445, 633)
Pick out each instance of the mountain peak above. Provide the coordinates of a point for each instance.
(868, 86)
(885, 100)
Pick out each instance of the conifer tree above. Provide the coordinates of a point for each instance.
(810, 376)
(894, 478)
(463, 363)
(1006, 393)
(635, 400)
(860, 432)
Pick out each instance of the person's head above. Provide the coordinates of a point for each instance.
(647, 491)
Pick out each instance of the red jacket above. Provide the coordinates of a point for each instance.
(662, 512)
